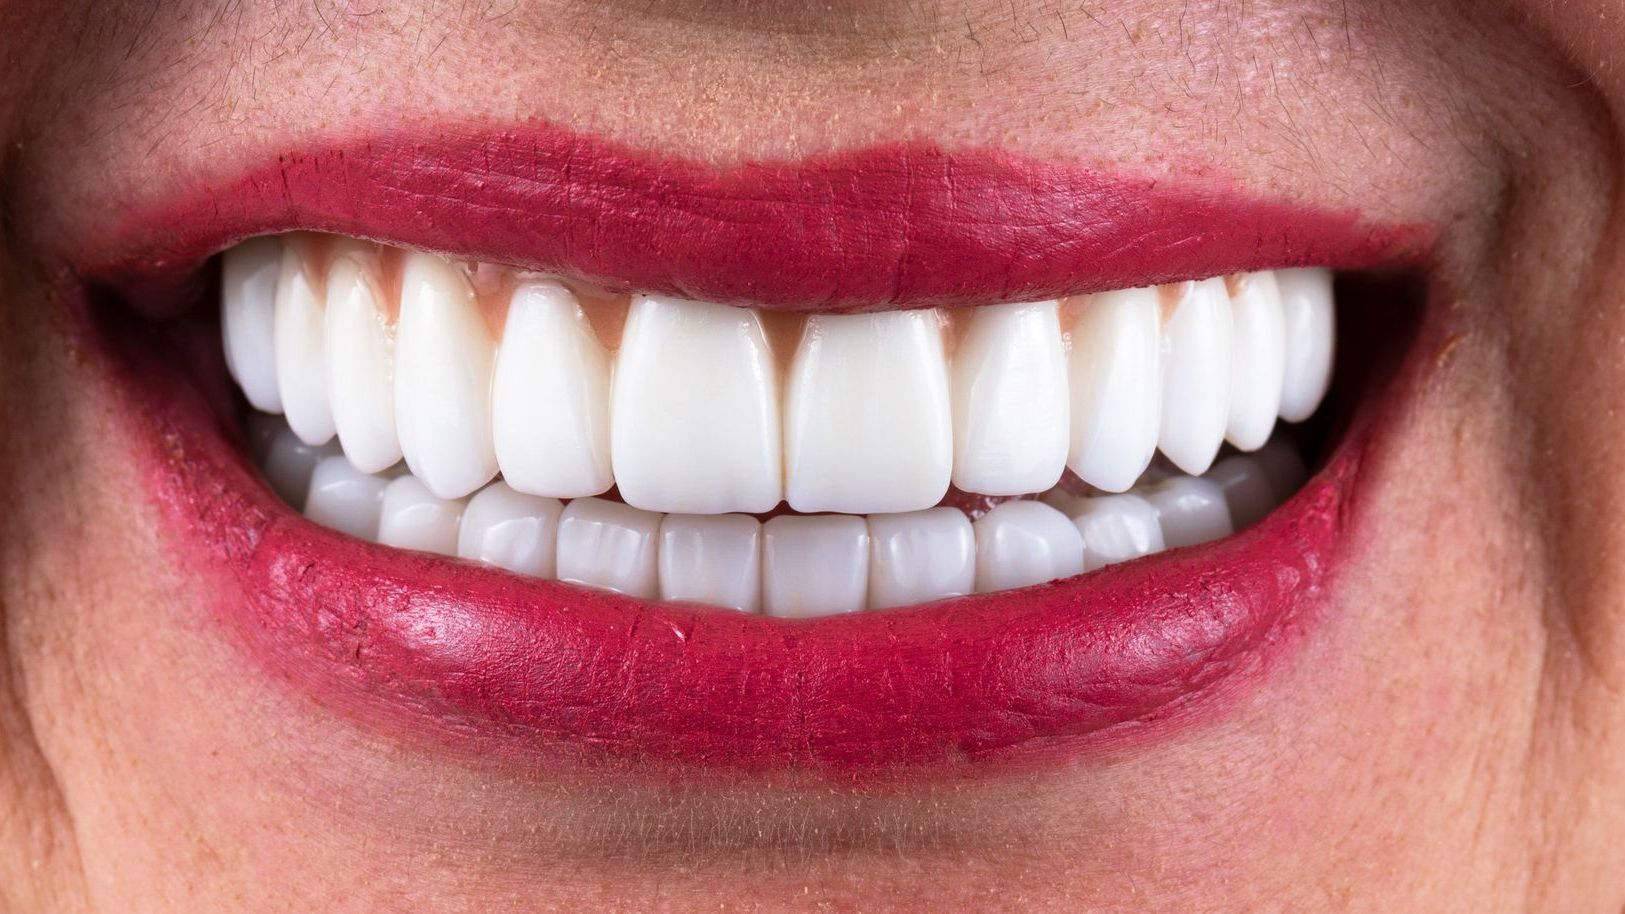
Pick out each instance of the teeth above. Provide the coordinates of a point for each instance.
(344, 498)
(248, 275)
(696, 410)
(609, 545)
(920, 557)
(867, 421)
(1257, 367)
(713, 559)
(1193, 511)
(288, 464)
(1116, 528)
(1246, 488)
(814, 566)
(1116, 367)
(413, 517)
(360, 366)
(443, 359)
(1283, 468)
(301, 350)
(1010, 401)
(511, 530)
(1196, 375)
(1021, 543)
(550, 397)
(1309, 318)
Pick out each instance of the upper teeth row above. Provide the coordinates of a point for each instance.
(694, 411)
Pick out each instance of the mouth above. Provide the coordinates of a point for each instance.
(482, 459)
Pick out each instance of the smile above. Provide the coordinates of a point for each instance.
(562, 502)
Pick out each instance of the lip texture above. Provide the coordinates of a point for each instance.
(537, 672)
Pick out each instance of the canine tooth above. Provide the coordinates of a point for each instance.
(1116, 372)
(1193, 511)
(920, 556)
(301, 349)
(413, 517)
(814, 566)
(248, 276)
(1020, 543)
(344, 498)
(1246, 487)
(712, 558)
(867, 420)
(1116, 528)
(360, 367)
(443, 357)
(609, 545)
(1258, 360)
(1309, 317)
(550, 397)
(1010, 410)
(511, 530)
(1196, 375)
(288, 465)
(695, 425)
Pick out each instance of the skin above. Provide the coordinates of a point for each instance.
(1450, 737)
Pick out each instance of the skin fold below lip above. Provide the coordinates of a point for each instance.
(530, 671)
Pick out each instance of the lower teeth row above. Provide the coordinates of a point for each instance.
(790, 565)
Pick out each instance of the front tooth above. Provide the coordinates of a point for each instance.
(1193, 511)
(1309, 317)
(695, 416)
(344, 498)
(413, 517)
(609, 545)
(1196, 375)
(1246, 487)
(1116, 528)
(443, 356)
(360, 366)
(248, 276)
(712, 559)
(511, 530)
(867, 421)
(301, 348)
(814, 566)
(919, 557)
(1116, 369)
(550, 397)
(1010, 411)
(1020, 543)
(1258, 360)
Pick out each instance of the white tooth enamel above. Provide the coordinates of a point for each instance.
(1116, 375)
(1020, 543)
(248, 275)
(360, 366)
(1309, 316)
(1196, 353)
(443, 356)
(1258, 360)
(1068, 503)
(511, 530)
(1283, 468)
(1193, 511)
(413, 517)
(550, 397)
(695, 415)
(344, 498)
(288, 464)
(814, 566)
(920, 557)
(301, 348)
(712, 559)
(867, 420)
(1246, 487)
(609, 545)
(1116, 528)
(1010, 410)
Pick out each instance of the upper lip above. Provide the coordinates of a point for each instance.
(525, 665)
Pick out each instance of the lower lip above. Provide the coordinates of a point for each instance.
(534, 672)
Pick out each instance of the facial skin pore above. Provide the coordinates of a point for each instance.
(1450, 737)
